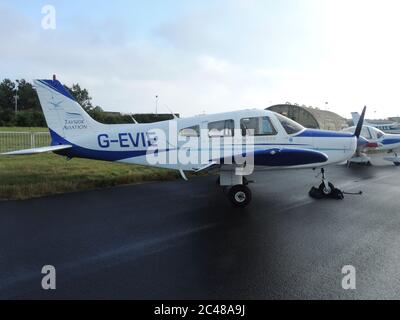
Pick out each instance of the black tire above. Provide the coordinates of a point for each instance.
(240, 196)
(323, 191)
(397, 164)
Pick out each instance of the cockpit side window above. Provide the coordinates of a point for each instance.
(260, 126)
(224, 128)
(190, 132)
(290, 126)
(365, 133)
(379, 133)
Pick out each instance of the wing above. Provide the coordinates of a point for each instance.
(37, 150)
(278, 157)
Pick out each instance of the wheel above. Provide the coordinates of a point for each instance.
(324, 190)
(397, 164)
(239, 196)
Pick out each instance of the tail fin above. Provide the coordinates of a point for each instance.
(63, 114)
(356, 117)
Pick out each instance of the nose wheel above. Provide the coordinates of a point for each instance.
(326, 190)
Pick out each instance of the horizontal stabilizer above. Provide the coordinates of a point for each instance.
(37, 150)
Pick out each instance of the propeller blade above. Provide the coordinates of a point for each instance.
(360, 123)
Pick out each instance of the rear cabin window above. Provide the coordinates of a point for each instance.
(224, 128)
(260, 126)
(190, 132)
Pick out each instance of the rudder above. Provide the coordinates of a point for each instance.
(62, 112)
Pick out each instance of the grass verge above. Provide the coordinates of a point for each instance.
(35, 176)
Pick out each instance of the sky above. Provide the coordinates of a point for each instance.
(211, 56)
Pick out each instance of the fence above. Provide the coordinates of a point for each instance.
(12, 141)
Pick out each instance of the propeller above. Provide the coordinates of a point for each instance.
(360, 123)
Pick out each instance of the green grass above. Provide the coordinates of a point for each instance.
(34, 176)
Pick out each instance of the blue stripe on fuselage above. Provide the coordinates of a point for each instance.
(80, 152)
(313, 133)
(390, 141)
(288, 157)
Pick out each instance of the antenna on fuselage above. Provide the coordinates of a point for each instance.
(134, 120)
(131, 115)
(173, 114)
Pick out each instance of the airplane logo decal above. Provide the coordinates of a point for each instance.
(56, 105)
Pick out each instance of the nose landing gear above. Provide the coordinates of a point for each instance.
(326, 190)
(395, 159)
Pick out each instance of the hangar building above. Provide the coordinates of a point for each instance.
(311, 117)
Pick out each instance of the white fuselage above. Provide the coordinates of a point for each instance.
(132, 143)
(384, 141)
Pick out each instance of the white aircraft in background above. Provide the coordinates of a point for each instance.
(277, 142)
(393, 127)
(377, 141)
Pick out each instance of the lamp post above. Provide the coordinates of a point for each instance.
(156, 104)
(16, 97)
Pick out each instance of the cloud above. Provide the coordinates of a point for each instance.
(217, 57)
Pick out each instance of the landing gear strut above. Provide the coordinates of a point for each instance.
(395, 159)
(326, 189)
(361, 159)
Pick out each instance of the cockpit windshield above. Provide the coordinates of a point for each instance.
(290, 126)
(367, 132)
(379, 133)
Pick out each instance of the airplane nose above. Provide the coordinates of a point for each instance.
(361, 141)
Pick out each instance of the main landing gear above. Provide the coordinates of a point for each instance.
(395, 159)
(360, 159)
(326, 190)
(236, 188)
(239, 195)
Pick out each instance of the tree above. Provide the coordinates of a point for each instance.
(28, 99)
(7, 93)
(81, 96)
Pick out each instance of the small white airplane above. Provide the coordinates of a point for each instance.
(393, 127)
(202, 143)
(377, 141)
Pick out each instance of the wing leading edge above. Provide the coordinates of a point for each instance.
(37, 150)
